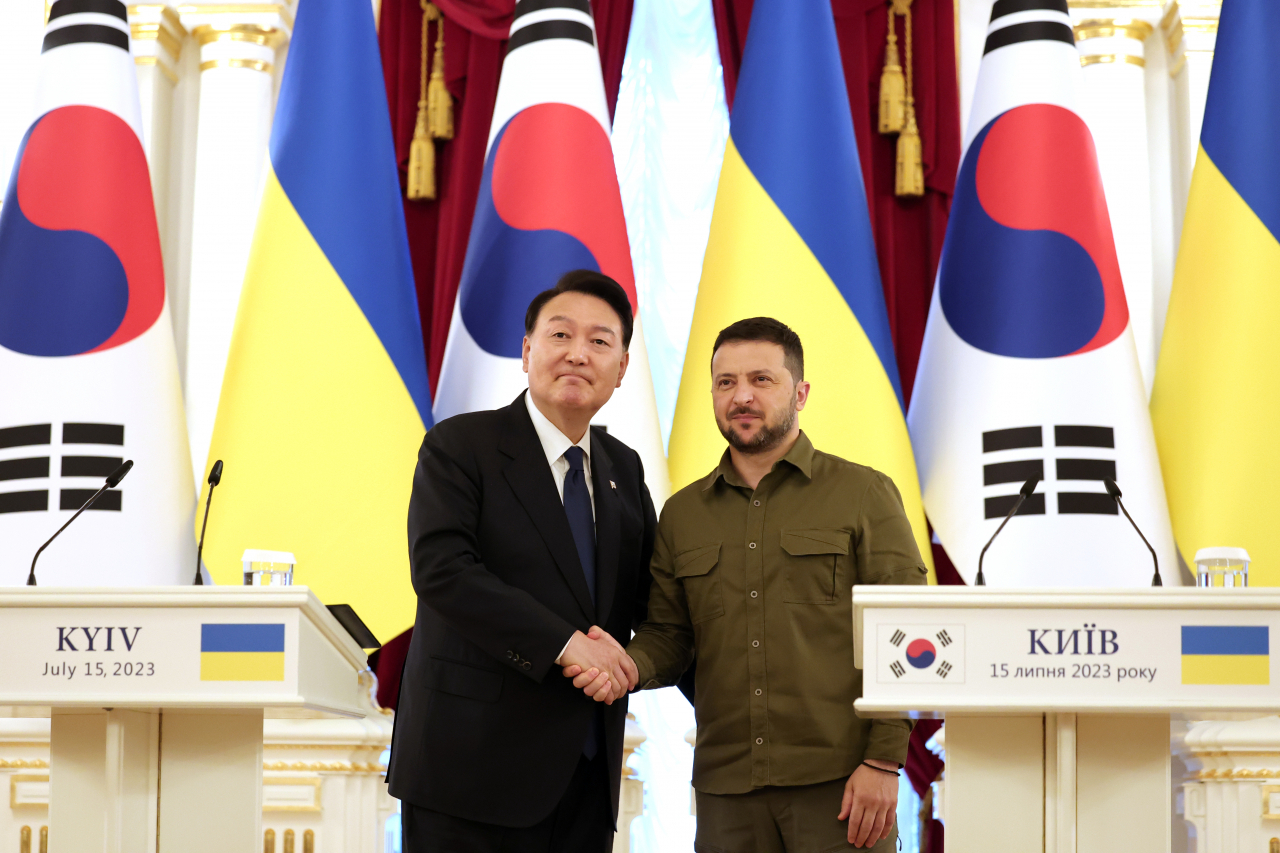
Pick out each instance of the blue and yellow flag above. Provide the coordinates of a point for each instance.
(1226, 654)
(1216, 400)
(325, 397)
(791, 239)
(242, 651)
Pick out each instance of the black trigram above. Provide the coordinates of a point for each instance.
(897, 638)
(897, 669)
(943, 669)
(71, 465)
(1065, 469)
(944, 638)
(1015, 471)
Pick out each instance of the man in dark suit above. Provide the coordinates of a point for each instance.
(528, 530)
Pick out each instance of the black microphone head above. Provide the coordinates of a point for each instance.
(215, 476)
(117, 475)
(1112, 489)
(1029, 487)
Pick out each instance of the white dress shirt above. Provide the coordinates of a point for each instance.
(554, 444)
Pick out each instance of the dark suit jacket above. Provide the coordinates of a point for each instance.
(487, 727)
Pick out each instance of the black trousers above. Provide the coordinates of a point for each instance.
(582, 822)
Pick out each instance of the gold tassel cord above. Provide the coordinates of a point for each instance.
(909, 179)
(439, 103)
(420, 183)
(893, 91)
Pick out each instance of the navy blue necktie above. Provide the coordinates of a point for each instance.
(577, 506)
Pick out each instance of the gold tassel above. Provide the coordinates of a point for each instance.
(439, 103)
(893, 88)
(420, 183)
(910, 175)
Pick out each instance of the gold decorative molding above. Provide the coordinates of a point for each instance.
(1110, 28)
(166, 13)
(158, 33)
(240, 9)
(168, 72)
(13, 790)
(1267, 792)
(1115, 4)
(254, 64)
(21, 763)
(310, 781)
(1238, 773)
(248, 33)
(326, 766)
(1107, 58)
(367, 746)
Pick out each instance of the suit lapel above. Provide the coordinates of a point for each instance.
(608, 526)
(531, 479)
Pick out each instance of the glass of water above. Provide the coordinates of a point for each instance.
(268, 568)
(1222, 567)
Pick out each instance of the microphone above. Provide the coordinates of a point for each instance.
(113, 480)
(1114, 491)
(1025, 492)
(215, 477)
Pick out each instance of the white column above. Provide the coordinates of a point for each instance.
(238, 57)
(1114, 106)
(1190, 30)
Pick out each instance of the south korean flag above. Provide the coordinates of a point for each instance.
(920, 654)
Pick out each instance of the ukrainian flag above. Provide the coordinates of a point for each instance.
(791, 239)
(1226, 654)
(241, 652)
(325, 397)
(1216, 401)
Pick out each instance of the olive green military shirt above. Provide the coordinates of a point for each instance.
(759, 585)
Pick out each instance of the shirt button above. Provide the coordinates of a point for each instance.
(759, 740)
(751, 544)
(758, 691)
(755, 643)
(757, 503)
(754, 593)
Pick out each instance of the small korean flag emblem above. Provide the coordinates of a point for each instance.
(920, 654)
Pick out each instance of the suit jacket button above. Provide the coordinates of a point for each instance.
(526, 665)
(510, 654)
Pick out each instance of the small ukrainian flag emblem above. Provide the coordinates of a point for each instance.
(1226, 654)
(242, 652)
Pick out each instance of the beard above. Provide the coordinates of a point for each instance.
(767, 438)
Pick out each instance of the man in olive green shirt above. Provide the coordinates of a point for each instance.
(753, 568)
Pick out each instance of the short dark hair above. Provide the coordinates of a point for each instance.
(592, 283)
(770, 331)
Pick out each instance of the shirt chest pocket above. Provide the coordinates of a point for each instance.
(813, 558)
(695, 571)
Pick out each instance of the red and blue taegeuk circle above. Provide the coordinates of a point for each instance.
(80, 267)
(921, 653)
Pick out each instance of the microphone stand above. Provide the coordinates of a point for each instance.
(1023, 493)
(111, 483)
(215, 477)
(1114, 491)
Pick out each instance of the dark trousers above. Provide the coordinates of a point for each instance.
(582, 822)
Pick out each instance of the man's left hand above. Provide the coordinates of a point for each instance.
(870, 800)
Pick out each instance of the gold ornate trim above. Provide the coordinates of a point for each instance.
(326, 766)
(254, 64)
(1238, 773)
(369, 746)
(1115, 4)
(21, 763)
(163, 66)
(1178, 66)
(157, 32)
(1134, 29)
(240, 9)
(310, 781)
(248, 33)
(165, 12)
(1107, 58)
(13, 790)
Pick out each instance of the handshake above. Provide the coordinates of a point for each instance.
(599, 666)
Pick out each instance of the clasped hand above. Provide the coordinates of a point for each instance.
(599, 666)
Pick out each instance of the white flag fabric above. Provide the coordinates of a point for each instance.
(88, 371)
(1028, 367)
(548, 203)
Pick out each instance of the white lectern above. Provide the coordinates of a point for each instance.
(157, 697)
(1058, 702)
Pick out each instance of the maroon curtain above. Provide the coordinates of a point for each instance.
(475, 33)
